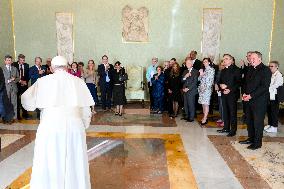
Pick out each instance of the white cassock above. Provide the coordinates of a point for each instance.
(60, 154)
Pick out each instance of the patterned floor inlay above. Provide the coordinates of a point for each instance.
(14, 141)
(130, 161)
(260, 169)
(154, 120)
(7, 139)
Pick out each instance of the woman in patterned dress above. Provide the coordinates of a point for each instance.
(206, 79)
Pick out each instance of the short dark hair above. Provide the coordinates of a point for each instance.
(8, 56)
(195, 52)
(117, 62)
(74, 63)
(21, 56)
(209, 60)
(258, 54)
(174, 59)
(81, 63)
(274, 62)
(105, 56)
(160, 68)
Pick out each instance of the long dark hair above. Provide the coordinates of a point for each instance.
(175, 73)
(210, 63)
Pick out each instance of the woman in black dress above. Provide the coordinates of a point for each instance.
(174, 89)
(119, 78)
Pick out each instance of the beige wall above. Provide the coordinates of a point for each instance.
(175, 28)
(277, 52)
(6, 34)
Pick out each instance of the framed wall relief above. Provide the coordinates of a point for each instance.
(135, 26)
(211, 34)
(64, 34)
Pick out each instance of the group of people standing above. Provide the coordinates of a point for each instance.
(195, 82)
(16, 76)
(174, 87)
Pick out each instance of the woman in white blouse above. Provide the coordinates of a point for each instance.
(91, 80)
(273, 105)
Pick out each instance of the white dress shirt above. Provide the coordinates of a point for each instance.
(276, 81)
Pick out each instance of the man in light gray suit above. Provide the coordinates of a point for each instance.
(189, 80)
(11, 75)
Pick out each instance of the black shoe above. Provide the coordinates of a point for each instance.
(253, 146)
(116, 113)
(190, 120)
(223, 131)
(231, 134)
(19, 118)
(205, 123)
(27, 118)
(184, 118)
(247, 141)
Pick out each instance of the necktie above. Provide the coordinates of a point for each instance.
(21, 71)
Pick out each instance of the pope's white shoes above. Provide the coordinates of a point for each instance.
(270, 129)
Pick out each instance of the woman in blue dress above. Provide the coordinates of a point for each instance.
(158, 83)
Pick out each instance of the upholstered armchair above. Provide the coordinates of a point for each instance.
(135, 86)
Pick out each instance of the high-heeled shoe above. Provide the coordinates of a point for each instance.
(116, 113)
(120, 114)
(204, 123)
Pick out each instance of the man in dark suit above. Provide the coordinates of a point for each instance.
(105, 82)
(229, 84)
(245, 66)
(256, 96)
(189, 80)
(23, 69)
(197, 64)
(35, 72)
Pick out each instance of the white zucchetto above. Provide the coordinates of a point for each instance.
(59, 61)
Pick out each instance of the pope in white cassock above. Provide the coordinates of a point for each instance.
(60, 154)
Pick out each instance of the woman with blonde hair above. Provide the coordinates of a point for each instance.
(91, 80)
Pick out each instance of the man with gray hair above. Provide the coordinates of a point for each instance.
(60, 154)
(151, 70)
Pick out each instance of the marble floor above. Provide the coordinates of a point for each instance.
(153, 151)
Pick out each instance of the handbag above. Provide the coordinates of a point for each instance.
(280, 93)
(123, 77)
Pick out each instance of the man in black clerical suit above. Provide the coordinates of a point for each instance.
(256, 96)
(23, 69)
(245, 66)
(229, 84)
(105, 82)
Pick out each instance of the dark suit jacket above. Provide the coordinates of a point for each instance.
(197, 64)
(34, 75)
(102, 74)
(190, 82)
(26, 76)
(257, 83)
(231, 77)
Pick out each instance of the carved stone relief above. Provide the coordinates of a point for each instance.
(212, 22)
(135, 24)
(64, 33)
